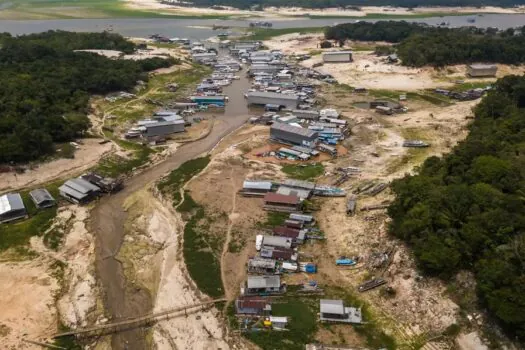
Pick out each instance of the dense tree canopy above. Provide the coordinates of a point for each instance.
(345, 3)
(466, 210)
(46, 86)
(419, 44)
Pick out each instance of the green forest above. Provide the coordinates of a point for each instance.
(466, 210)
(46, 87)
(418, 45)
(344, 3)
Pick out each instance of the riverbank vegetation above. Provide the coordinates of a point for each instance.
(419, 45)
(464, 211)
(201, 246)
(46, 87)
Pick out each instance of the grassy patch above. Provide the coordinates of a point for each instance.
(178, 177)
(17, 234)
(200, 252)
(265, 34)
(435, 99)
(302, 326)
(303, 171)
(114, 165)
(273, 219)
(471, 85)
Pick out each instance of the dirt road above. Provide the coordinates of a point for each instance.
(122, 298)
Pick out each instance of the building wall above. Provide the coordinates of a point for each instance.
(347, 57)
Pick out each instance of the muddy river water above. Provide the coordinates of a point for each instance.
(201, 28)
(121, 298)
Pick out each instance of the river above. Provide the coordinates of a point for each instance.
(196, 28)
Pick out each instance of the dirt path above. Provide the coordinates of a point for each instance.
(227, 291)
(123, 298)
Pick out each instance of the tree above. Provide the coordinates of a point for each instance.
(326, 45)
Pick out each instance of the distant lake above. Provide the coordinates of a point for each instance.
(143, 27)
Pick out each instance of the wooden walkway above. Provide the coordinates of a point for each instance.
(134, 322)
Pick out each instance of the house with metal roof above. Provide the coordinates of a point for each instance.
(259, 265)
(281, 202)
(42, 198)
(253, 188)
(307, 219)
(278, 322)
(262, 98)
(276, 241)
(263, 285)
(298, 236)
(164, 128)
(306, 114)
(335, 311)
(293, 135)
(253, 305)
(12, 207)
(79, 191)
(277, 253)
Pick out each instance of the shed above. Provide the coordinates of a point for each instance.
(263, 98)
(253, 306)
(42, 198)
(337, 56)
(279, 242)
(482, 70)
(12, 207)
(335, 311)
(293, 135)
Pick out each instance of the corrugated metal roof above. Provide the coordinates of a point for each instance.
(10, 202)
(293, 129)
(257, 185)
(290, 191)
(81, 185)
(253, 303)
(330, 53)
(41, 195)
(72, 192)
(268, 94)
(275, 241)
(280, 198)
(482, 66)
(286, 231)
(301, 217)
(329, 306)
(299, 184)
(262, 263)
(263, 282)
(165, 123)
(278, 319)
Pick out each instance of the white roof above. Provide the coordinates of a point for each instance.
(329, 53)
(332, 306)
(279, 319)
(263, 282)
(11, 201)
(81, 185)
(277, 241)
(257, 185)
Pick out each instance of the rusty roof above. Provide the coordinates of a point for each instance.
(281, 198)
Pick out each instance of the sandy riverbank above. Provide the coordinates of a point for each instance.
(297, 11)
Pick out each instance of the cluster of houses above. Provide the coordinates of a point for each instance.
(79, 190)
(288, 98)
(278, 254)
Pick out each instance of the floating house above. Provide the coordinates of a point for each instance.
(281, 202)
(79, 191)
(209, 100)
(263, 285)
(252, 188)
(283, 254)
(278, 242)
(262, 98)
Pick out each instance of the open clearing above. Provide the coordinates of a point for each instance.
(373, 72)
